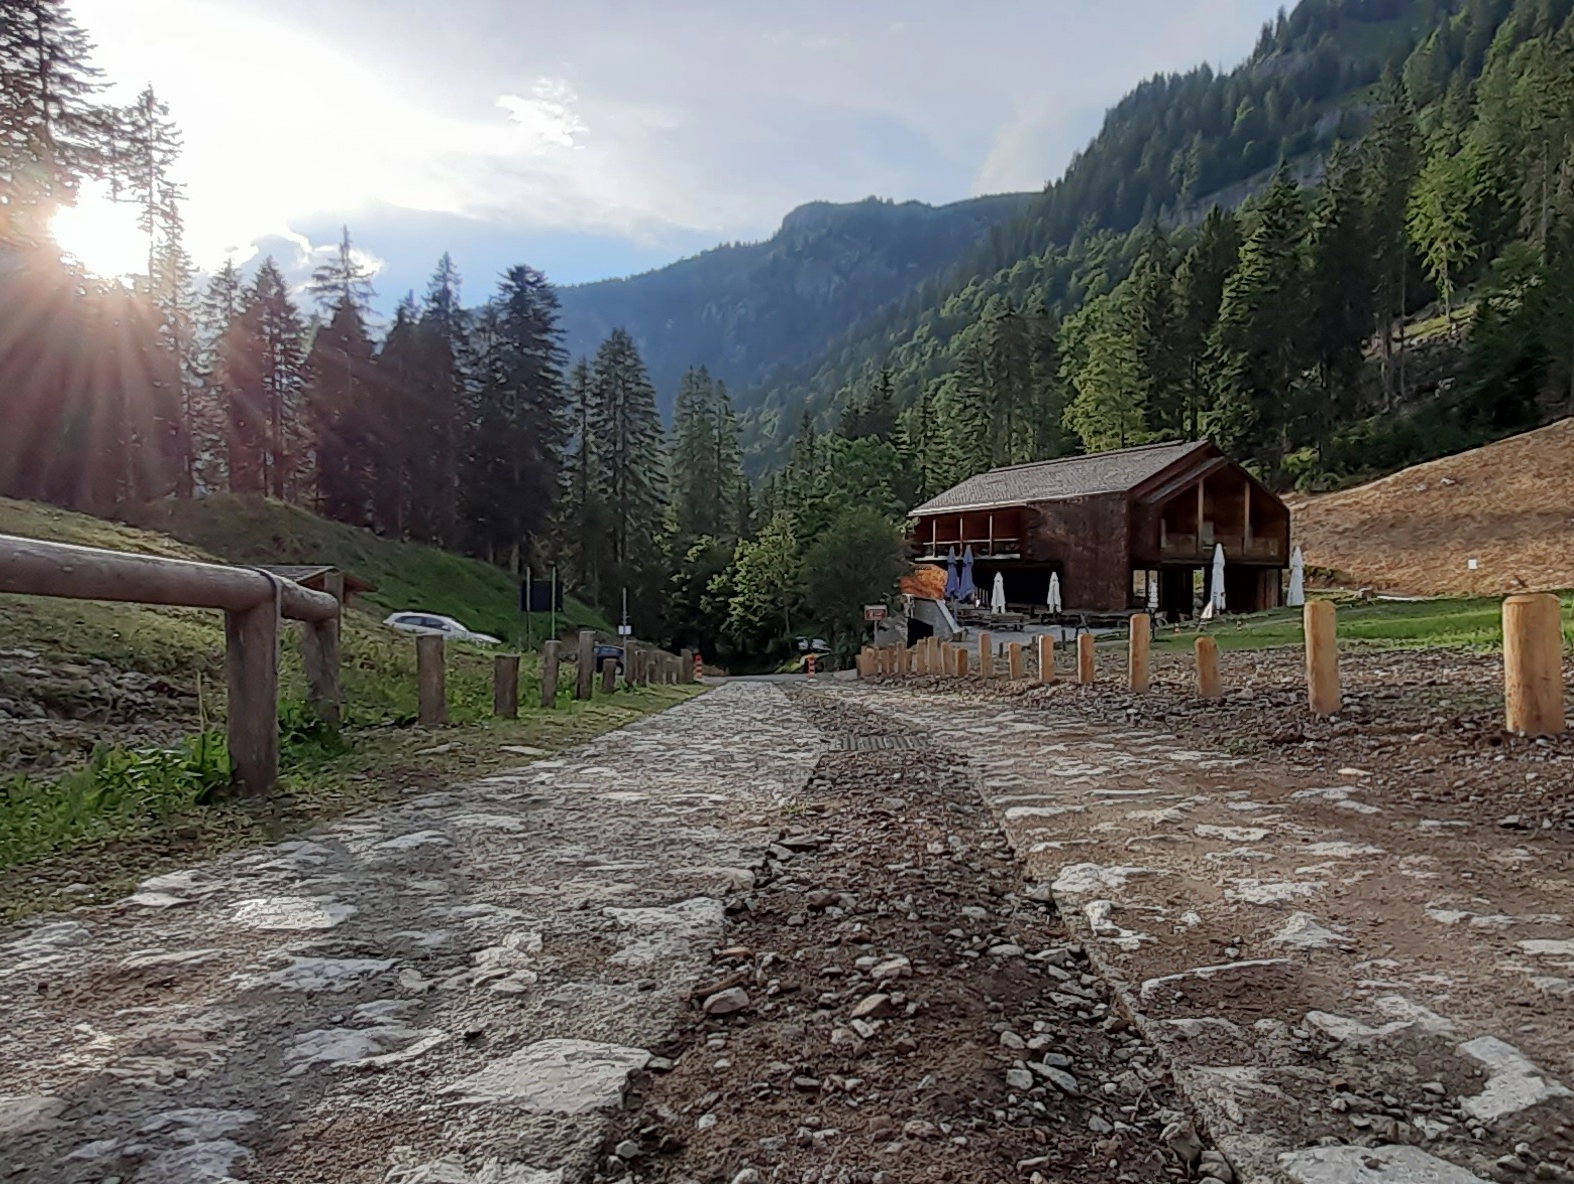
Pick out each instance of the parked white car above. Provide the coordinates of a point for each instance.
(432, 625)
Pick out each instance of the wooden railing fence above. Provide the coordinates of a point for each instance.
(253, 602)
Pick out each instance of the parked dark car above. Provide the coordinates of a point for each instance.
(605, 651)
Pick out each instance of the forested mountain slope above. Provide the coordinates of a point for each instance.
(1172, 149)
(743, 310)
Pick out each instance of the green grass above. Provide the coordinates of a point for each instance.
(408, 575)
(1476, 623)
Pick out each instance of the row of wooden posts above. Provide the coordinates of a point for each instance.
(642, 666)
(1532, 661)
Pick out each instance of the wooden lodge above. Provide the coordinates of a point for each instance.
(1125, 530)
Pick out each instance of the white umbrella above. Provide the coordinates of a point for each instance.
(1297, 593)
(997, 599)
(1054, 592)
(1216, 585)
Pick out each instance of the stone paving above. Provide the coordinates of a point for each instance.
(443, 992)
(1323, 963)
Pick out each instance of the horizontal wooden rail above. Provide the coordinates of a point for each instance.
(252, 602)
(35, 567)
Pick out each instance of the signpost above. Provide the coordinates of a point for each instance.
(874, 612)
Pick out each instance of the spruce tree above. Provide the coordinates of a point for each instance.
(1199, 289)
(628, 440)
(53, 132)
(520, 423)
(436, 391)
(1258, 342)
(339, 407)
(343, 279)
(280, 341)
(391, 423)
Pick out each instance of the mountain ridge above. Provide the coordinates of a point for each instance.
(745, 310)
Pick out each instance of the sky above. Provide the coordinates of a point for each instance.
(594, 138)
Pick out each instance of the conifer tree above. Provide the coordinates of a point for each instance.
(628, 441)
(436, 390)
(278, 337)
(519, 427)
(339, 401)
(391, 422)
(1258, 342)
(53, 132)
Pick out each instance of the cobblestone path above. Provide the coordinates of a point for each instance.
(444, 991)
(1349, 986)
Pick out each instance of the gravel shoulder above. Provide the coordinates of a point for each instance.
(1351, 938)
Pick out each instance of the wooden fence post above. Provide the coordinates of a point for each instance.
(1533, 664)
(947, 661)
(609, 675)
(1085, 659)
(251, 669)
(1319, 622)
(1208, 684)
(549, 661)
(320, 656)
(686, 666)
(960, 653)
(585, 674)
(1046, 658)
(1014, 660)
(986, 657)
(1138, 661)
(505, 686)
(431, 682)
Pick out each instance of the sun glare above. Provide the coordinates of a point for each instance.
(101, 235)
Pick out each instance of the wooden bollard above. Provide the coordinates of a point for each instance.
(921, 656)
(505, 686)
(947, 662)
(251, 671)
(1138, 660)
(609, 675)
(686, 666)
(1085, 659)
(986, 657)
(585, 674)
(1046, 658)
(960, 654)
(1533, 664)
(1208, 684)
(431, 682)
(549, 660)
(320, 656)
(1319, 622)
(1014, 661)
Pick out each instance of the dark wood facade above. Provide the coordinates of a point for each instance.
(1110, 545)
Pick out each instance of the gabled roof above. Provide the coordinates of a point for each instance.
(1070, 476)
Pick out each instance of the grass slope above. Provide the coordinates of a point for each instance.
(1509, 506)
(1475, 622)
(242, 529)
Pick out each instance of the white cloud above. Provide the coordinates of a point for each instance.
(549, 115)
(597, 116)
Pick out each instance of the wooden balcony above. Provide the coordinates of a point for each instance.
(1179, 548)
(935, 550)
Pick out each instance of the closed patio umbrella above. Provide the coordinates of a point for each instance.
(997, 598)
(965, 589)
(1216, 585)
(1296, 596)
(952, 583)
(1054, 592)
